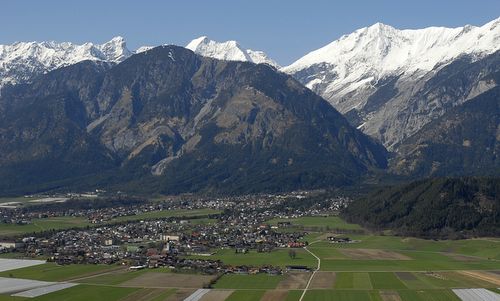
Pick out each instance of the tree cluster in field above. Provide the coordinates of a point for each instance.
(433, 208)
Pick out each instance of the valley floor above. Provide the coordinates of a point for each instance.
(371, 267)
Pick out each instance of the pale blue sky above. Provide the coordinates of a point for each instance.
(284, 29)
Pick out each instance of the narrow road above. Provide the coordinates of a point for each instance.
(314, 272)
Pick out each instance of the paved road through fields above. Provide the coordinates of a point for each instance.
(313, 273)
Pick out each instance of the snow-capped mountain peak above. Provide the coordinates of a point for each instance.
(375, 73)
(380, 50)
(229, 50)
(385, 49)
(21, 61)
(115, 50)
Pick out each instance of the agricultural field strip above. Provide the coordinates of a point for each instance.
(412, 281)
(410, 251)
(314, 272)
(476, 294)
(482, 276)
(40, 291)
(197, 295)
(94, 275)
(13, 264)
(14, 285)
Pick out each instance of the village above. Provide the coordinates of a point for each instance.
(141, 234)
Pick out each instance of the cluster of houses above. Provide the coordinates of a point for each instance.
(173, 242)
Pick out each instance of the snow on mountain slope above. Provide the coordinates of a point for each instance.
(379, 50)
(229, 50)
(143, 49)
(21, 61)
(350, 70)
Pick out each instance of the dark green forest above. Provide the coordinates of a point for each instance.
(432, 208)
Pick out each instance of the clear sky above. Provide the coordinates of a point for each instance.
(285, 29)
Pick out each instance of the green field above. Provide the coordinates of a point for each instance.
(348, 280)
(54, 272)
(420, 261)
(119, 276)
(327, 253)
(60, 223)
(485, 248)
(373, 295)
(423, 255)
(259, 281)
(335, 295)
(277, 257)
(432, 295)
(247, 295)
(82, 293)
(44, 224)
(113, 278)
(404, 265)
(88, 292)
(165, 214)
(164, 295)
(431, 280)
(382, 280)
(406, 280)
(318, 223)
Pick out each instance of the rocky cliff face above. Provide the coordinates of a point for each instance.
(464, 141)
(182, 122)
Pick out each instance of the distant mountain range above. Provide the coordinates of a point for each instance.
(23, 61)
(430, 96)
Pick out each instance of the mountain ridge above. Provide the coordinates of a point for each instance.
(22, 61)
(229, 50)
(376, 75)
(181, 122)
